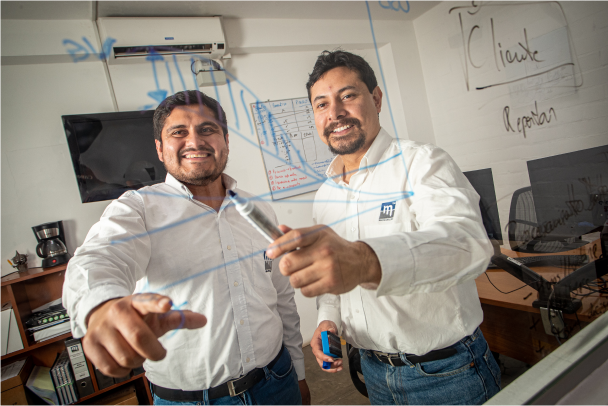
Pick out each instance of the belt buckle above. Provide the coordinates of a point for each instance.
(231, 389)
(384, 354)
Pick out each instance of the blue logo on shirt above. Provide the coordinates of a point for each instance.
(267, 263)
(387, 211)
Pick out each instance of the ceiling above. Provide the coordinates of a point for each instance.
(335, 10)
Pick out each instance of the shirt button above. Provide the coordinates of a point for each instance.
(354, 228)
(229, 247)
(357, 311)
(242, 322)
(236, 284)
(247, 359)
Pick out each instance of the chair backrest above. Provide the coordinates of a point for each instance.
(522, 220)
(523, 229)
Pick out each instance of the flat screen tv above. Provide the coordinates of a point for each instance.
(112, 153)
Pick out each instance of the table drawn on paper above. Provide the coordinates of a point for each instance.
(294, 156)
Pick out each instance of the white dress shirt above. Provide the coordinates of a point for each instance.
(160, 239)
(431, 247)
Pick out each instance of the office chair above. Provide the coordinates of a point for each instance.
(523, 227)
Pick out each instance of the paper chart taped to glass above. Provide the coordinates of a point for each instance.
(294, 156)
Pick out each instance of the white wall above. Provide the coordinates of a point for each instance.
(38, 182)
(469, 124)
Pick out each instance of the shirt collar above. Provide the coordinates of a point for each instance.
(369, 160)
(229, 183)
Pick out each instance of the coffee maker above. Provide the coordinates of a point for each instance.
(51, 244)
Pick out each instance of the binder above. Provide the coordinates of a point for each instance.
(82, 377)
(67, 370)
(62, 374)
(103, 381)
(58, 382)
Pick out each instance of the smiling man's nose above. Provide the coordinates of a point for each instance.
(337, 111)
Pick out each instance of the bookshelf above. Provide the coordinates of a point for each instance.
(32, 288)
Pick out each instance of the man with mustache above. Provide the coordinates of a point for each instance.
(186, 249)
(395, 273)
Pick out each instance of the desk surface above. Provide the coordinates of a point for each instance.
(594, 305)
(512, 326)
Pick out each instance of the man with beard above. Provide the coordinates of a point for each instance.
(183, 246)
(395, 273)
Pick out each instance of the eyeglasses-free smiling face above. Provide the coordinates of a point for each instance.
(193, 147)
(346, 113)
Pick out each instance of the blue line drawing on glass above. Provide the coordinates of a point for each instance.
(388, 102)
(391, 6)
(262, 121)
(159, 94)
(246, 113)
(80, 53)
(179, 73)
(236, 114)
(170, 79)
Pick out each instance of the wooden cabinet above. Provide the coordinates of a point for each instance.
(33, 288)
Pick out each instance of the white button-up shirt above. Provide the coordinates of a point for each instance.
(160, 239)
(413, 206)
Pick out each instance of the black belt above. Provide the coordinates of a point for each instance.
(395, 359)
(230, 388)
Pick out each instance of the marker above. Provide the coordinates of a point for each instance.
(255, 217)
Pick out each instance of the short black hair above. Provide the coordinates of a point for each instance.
(333, 59)
(186, 98)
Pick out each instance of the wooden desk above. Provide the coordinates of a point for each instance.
(512, 326)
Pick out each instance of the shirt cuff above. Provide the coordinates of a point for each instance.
(300, 368)
(332, 314)
(91, 300)
(396, 262)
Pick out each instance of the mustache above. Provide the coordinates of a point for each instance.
(201, 149)
(347, 121)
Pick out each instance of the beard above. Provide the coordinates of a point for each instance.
(198, 176)
(348, 147)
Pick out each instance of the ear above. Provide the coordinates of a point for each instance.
(377, 96)
(227, 141)
(159, 149)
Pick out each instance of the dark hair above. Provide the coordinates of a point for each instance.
(187, 98)
(333, 59)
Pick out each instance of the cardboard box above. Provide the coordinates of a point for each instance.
(124, 395)
(14, 396)
(18, 380)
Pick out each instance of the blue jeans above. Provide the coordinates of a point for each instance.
(278, 387)
(470, 377)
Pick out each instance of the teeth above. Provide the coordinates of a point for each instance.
(197, 155)
(341, 128)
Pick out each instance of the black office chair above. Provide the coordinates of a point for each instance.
(523, 228)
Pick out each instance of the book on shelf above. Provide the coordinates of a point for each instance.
(52, 331)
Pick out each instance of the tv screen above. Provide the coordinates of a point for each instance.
(112, 153)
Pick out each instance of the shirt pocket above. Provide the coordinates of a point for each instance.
(261, 266)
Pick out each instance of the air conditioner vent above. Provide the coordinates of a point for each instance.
(125, 52)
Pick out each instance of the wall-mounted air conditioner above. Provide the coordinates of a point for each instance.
(138, 39)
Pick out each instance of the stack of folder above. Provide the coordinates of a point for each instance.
(63, 379)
